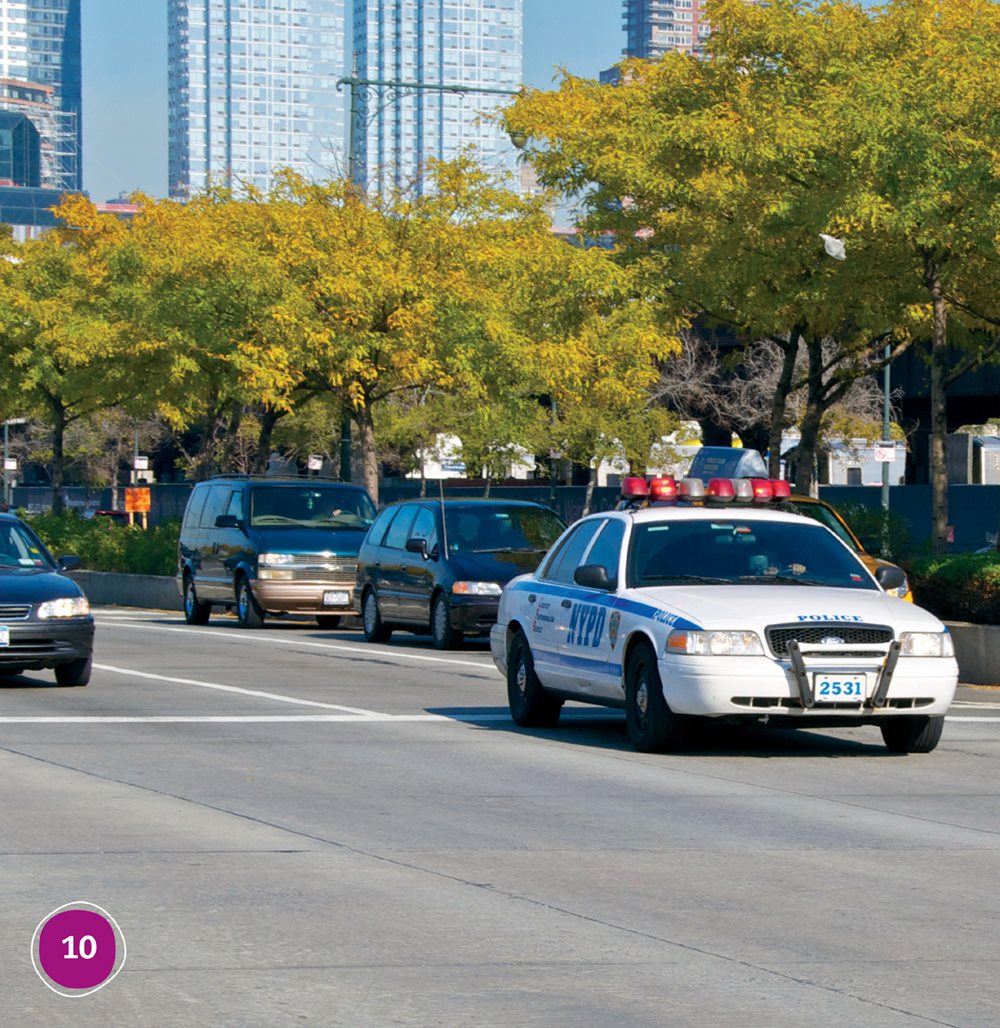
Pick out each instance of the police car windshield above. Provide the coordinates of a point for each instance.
(728, 551)
(310, 507)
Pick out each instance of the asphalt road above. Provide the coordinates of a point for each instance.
(292, 826)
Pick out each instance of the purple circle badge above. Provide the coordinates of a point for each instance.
(77, 949)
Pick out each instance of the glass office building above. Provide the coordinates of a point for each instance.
(40, 76)
(252, 89)
(478, 44)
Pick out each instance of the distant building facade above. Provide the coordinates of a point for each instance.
(40, 77)
(251, 89)
(478, 44)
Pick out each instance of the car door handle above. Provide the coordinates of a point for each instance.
(567, 603)
(377, 564)
(404, 567)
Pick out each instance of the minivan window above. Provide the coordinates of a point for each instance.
(310, 506)
(192, 517)
(218, 499)
(498, 529)
(399, 530)
(424, 527)
(236, 504)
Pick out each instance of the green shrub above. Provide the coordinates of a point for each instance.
(868, 523)
(959, 587)
(104, 546)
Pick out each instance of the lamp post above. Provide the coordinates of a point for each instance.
(387, 92)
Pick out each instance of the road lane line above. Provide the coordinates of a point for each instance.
(237, 689)
(244, 637)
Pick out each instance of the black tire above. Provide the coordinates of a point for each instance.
(75, 672)
(912, 734)
(328, 620)
(248, 612)
(445, 637)
(195, 612)
(652, 725)
(375, 630)
(530, 705)
(10, 672)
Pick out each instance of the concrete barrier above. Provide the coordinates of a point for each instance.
(106, 588)
(977, 648)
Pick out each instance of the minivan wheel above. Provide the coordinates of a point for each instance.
(195, 612)
(375, 630)
(248, 612)
(445, 637)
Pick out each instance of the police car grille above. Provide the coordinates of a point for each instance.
(14, 611)
(857, 640)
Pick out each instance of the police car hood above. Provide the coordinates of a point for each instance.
(757, 606)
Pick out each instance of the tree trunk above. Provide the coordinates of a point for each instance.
(58, 456)
(369, 458)
(588, 496)
(805, 463)
(939, 407)
(268, 420)
(790, 351)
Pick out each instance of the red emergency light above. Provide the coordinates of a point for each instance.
(663, 490)
(721, 490)
(763, 490)
(781, 490)
(634, 488)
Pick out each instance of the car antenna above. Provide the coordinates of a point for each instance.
(444, 520)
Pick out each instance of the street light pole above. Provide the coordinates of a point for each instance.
(389, 91)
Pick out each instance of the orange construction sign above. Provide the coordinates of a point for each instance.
(137, 500)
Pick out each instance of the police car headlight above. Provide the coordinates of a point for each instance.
(69, 607)
(926, 644)
(477, 588)
(716, 644)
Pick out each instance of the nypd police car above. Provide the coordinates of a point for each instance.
(705, 601)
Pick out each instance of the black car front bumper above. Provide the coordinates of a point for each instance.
(473, 614)
(42, 644)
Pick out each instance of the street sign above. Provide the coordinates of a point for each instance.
(885, 451)
(138, 500)
(140, 463)
(314, 462)
(10, 464)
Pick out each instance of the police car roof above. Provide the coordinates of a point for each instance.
(731, 511)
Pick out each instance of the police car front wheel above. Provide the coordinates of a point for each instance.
(651, 724)
(912, 734)
(530, 705)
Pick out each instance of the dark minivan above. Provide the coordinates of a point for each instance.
(269, 545)
(441, 564)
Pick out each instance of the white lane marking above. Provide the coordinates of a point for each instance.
(240, 719)
(237, 689)
(243, 637)
(974, 720)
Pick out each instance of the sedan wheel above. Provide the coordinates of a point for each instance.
(530, 705)
(651, 724)
(75, 672)
(247, 611)
(375, 630)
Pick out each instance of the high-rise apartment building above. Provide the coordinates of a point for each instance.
(252, 89)
(40, 77)
(655, 27)
(478, 44)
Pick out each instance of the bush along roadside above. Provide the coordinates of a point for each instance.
(104, 546)
(959, 587)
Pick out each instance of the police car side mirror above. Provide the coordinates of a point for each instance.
(890, 577)
(593, 576)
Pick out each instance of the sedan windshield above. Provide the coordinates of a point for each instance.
(310, 507)
(734, 552)
(20, 549)
(498, 529)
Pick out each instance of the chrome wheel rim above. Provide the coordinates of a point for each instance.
(521, 679)
(642, 699)
(371, 612)
(242, 602)
(440, 620)
(189, 598)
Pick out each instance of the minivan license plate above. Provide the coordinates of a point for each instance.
(838, 688)
(4, 635)
(335, 599)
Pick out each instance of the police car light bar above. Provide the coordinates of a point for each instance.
(763, 490)
(691, 489)
(662, 490)
(634, 488)
(721, 490)
(780, 489)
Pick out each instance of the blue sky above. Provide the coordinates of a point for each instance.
(125, 78)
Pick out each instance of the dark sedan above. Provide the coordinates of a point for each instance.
(441, 565)
(45, 619)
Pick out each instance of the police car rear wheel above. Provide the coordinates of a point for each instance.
(912, 734)
(651, 724)
(530, 705)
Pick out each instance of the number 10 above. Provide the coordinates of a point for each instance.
(88, 947)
